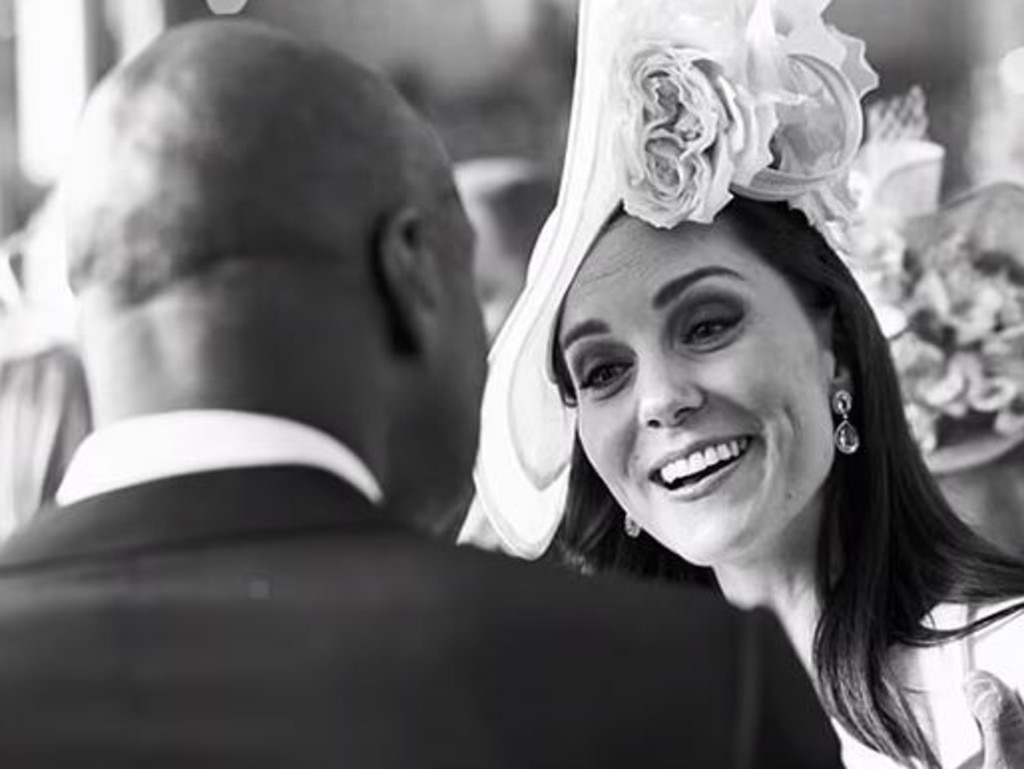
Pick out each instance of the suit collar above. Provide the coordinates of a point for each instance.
(163, 445)
(193, 510)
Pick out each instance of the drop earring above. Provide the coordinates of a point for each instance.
(631, 526)
(845, 436)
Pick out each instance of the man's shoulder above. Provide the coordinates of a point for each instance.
(541, 650)
(539, 583)
(490, 600)
(203, 511)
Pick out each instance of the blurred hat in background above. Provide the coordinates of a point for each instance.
(962, 360)
(947, 284)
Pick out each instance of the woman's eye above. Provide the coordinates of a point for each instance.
(705, 329)
(601, 376)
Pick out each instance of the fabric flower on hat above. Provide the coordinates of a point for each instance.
(688, 133)
(709, 97)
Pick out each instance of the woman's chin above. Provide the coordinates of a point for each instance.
(708, 542)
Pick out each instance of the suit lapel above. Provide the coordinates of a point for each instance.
(192, 510)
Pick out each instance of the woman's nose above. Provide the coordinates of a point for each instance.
(666, 396)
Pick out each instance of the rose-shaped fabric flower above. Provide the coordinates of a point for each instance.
(687, 133)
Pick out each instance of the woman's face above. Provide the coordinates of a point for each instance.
(703, 390)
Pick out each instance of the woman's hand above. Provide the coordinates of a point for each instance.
(1000, 715)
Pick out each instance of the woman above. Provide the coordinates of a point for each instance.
(693, 387)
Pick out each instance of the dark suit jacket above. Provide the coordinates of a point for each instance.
(273, 618)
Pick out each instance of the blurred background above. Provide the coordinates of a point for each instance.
(494, 76)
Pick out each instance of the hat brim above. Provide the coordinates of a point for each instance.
(972, 453)
(527, 432)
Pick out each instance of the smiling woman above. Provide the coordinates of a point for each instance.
(701, 389)
(703, 365)
(692, 386)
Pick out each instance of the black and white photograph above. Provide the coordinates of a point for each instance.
(512, 384)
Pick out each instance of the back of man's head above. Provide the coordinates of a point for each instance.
(257, 222)
(226, 141)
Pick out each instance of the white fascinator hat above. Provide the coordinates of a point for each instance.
(678, 105)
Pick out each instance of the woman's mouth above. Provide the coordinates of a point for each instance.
(699, 465)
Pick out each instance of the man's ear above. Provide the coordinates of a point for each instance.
(409, 274)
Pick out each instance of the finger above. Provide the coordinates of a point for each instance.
(1000, 715)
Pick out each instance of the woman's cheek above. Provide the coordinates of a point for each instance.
(603, 441)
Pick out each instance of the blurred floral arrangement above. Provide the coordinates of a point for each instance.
(953, 311)
(961, 356)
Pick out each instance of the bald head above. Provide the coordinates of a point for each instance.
(232, 141)
(256, 223)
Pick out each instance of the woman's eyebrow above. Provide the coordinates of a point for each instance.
(581, 330)
(676, 286)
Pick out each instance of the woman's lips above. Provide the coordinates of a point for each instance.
(699, 471)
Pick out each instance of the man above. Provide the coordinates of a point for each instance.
(285, 355)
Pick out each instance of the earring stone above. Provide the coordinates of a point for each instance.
(631, 526)
(846, 438)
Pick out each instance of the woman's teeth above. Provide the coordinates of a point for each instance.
(700, 463)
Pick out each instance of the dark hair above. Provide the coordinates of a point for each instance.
(882, 511)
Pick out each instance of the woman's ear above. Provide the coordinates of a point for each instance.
(410, 279)
(841, 378)
(832, 342)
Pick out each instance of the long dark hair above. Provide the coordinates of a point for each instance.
(882, 511)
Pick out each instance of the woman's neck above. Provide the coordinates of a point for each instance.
(785, 581)
(789, 591)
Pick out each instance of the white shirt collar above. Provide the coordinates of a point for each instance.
(155, 446)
